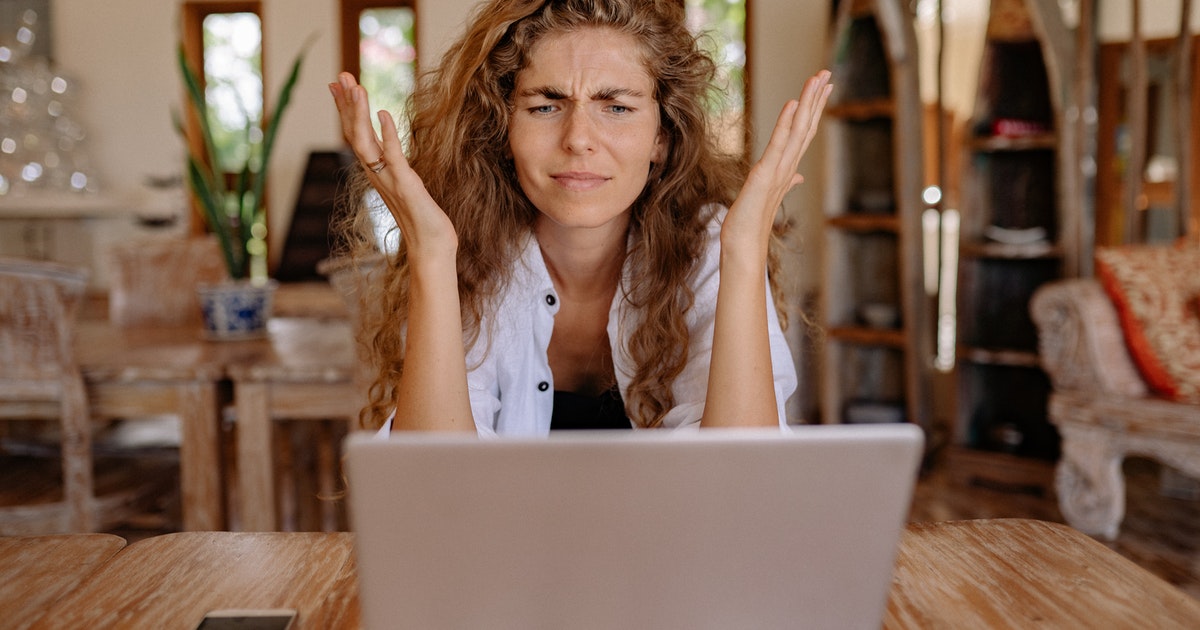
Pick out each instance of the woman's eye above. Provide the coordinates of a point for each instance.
(618, 109)
(542, 109)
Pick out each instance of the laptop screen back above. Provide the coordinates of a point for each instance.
(646, 529)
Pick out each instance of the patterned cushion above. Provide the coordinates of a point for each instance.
(1155, 289)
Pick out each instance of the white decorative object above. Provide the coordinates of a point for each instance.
(41, 143)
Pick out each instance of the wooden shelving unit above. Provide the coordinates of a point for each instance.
(877, 344)
(1019, 230)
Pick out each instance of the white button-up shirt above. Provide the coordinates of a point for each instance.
(508, 372)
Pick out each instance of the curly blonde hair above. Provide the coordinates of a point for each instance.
(457, 142)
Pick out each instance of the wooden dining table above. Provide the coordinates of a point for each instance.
(144, 371)
(310, 373)
(1004, 573)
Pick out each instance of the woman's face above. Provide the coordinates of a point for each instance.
(584, 127)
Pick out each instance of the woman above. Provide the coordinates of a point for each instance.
(567, 258)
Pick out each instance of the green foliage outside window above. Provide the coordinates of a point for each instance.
(387, 59)
(721, 25)
(233, 87)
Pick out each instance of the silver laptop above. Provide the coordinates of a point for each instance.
(641, 529)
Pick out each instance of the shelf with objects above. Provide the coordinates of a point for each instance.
(1019, 230)
(876, 343)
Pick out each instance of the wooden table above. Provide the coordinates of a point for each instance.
(37, 571)
(139, 372)
(1015, 573)
(132, 372)
(171, 581)
(309, 374)
(965, 574)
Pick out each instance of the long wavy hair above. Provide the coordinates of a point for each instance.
(458, 136)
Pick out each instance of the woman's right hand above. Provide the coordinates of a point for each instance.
(424, 226)
(431, 392)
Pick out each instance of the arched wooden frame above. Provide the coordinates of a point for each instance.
(193, 14)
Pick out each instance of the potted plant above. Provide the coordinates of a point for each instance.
(233, 208)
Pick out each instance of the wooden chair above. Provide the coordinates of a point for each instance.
(39, 379)
(153, 282)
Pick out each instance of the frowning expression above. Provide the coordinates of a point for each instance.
(585, 127)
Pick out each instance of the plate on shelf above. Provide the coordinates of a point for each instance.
(1025, 236)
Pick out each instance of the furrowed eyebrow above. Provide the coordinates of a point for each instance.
(603, 94)
(608, 94)
(543, 91)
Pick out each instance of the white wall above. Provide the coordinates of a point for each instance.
(789, 45)
(121, 58)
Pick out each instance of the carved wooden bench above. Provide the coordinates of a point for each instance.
(1102, 407)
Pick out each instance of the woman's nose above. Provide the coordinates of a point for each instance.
(578, 136)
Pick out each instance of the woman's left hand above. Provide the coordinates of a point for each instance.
(747, 227)
(741, 388)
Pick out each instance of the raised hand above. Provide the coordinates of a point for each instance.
(740, 378)
(431, 392)
(423, 224)
(748, 224)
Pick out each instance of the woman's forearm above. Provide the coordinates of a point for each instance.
(741, 390)
(432, 392)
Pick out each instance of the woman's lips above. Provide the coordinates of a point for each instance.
(579, 181)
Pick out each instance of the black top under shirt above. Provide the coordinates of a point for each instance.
(576, 411)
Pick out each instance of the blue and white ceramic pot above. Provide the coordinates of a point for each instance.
(236, 309)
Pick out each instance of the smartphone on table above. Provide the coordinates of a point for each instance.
(248, 619)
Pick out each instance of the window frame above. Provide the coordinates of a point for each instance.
(193, 13)
(351, 12)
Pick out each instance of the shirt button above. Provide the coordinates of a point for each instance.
(550, 299)
(543, 386)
